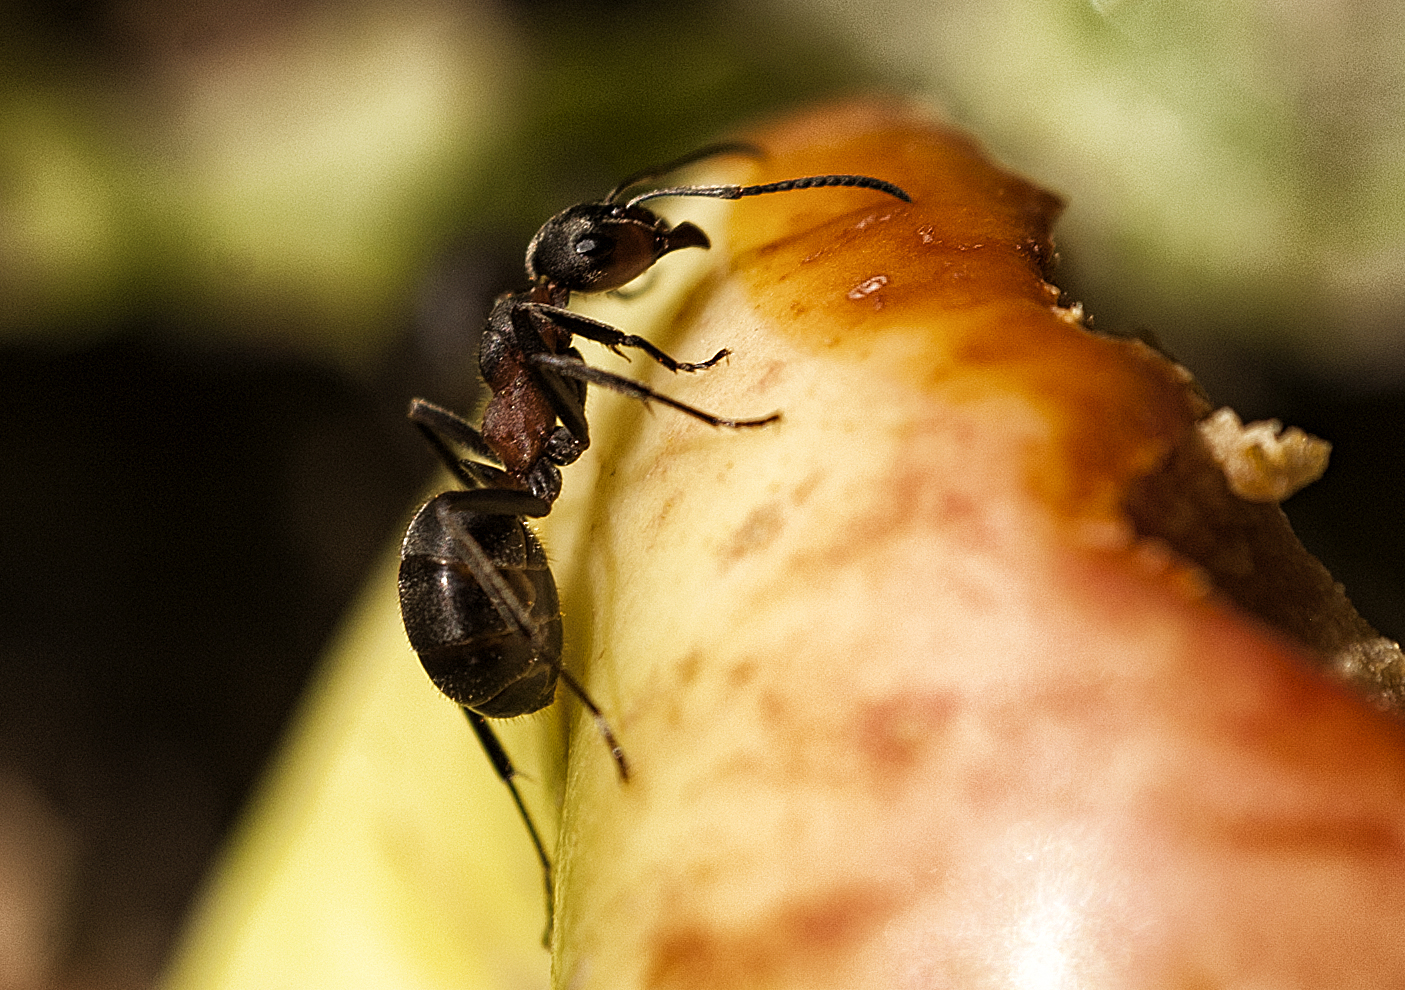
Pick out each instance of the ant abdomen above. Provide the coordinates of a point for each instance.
(477, 656)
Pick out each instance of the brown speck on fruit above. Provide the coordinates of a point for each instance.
(687, 670)
(892, 733)
(795, 944)
(741, 674)
(756, 533)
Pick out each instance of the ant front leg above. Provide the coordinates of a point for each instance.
(502, 765)
(566, 398)
(574, 367)
(610, 337)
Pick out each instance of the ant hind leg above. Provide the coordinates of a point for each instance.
(502, 765)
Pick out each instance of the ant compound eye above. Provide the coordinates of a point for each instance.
(595, 246)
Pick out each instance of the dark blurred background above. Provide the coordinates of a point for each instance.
(236, 237)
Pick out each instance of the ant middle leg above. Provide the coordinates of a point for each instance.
(574, 367)
(442, 428)
(447, 423)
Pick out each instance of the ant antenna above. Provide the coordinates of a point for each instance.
(806, 182)
(708, 151)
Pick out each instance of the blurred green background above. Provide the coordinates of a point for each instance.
(235, 238)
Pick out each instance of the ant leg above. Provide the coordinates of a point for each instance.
(442, 427)
(566, 398)
(496, 502)
(573, 367)
(514, 613)
(603, 333)
(497, 756)
(578, 689)
(449, 424)
(509, 502)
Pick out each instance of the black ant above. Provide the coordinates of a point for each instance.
(476, 592)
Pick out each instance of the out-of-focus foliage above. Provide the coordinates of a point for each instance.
(289, 173)
(381, 851)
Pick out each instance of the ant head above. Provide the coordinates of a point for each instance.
(595, 247)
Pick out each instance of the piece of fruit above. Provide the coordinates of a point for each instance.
(951, 678)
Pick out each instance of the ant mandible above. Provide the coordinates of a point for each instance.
(476, 592)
